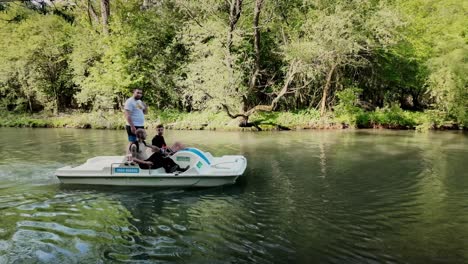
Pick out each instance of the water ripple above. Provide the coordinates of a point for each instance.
(322, 197)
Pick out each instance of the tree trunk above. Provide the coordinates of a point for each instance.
(29, 103)
(256, 71)
(91, 13)
(105, 13)
(56, 102)
(258, 8)
(235, 10)
(326, 90)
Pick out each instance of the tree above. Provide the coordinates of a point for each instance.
(237, 56)
(35, 62)
(142, 51)
(343, 35)
(437, 32)
(241, 82)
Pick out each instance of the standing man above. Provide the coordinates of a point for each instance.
(135, 111)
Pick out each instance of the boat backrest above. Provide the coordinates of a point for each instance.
(194, 158)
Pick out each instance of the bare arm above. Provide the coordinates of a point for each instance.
(154, 148)
(130, 121)
(133, 150)
(145, 108)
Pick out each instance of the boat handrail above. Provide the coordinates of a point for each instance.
(224, 162)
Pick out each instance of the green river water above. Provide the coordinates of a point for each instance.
(306, 197)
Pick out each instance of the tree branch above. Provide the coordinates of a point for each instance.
(289, 77)
(226, 108)
(105, 13)
(187, 10)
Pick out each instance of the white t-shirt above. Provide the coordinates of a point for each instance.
(136, 111)
(143, 152)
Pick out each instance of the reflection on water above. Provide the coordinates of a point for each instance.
(314, 196)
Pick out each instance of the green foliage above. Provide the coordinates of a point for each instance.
(97, 120)
(208, 82)
(388, 117)
(403, 55)
(140, 52)
(337, 38)
(393, 76)
(347, 109)
(34, 62)
(292, 120)
(395, 117)
(449, 82)
(437, 32)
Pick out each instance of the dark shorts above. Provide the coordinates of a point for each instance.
(131, 136)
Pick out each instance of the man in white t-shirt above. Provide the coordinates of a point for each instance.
(135, 111)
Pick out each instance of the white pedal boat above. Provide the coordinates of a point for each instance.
(204, 171)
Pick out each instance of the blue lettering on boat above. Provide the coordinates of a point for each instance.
(127, 170)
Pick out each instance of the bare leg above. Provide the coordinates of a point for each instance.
(177, 146)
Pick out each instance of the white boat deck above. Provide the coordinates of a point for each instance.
(204, 170)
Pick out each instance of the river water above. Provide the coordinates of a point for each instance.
(306, 197)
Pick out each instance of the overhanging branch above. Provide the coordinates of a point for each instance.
(226, 108)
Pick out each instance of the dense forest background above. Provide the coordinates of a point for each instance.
(358, 62)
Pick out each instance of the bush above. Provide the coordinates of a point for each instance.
(293, 120)
(346, 110)
(395, 117)
(388, 117)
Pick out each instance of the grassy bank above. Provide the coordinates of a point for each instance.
(390, 118)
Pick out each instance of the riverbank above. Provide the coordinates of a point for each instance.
(387, 118)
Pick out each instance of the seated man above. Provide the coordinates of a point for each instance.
(159, 142)
(156, 160)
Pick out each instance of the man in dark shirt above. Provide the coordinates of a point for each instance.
(159, 142)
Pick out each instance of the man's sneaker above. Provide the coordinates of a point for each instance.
(173, 169)
(183, 169)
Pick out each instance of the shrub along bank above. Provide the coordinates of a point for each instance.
(391, 117)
